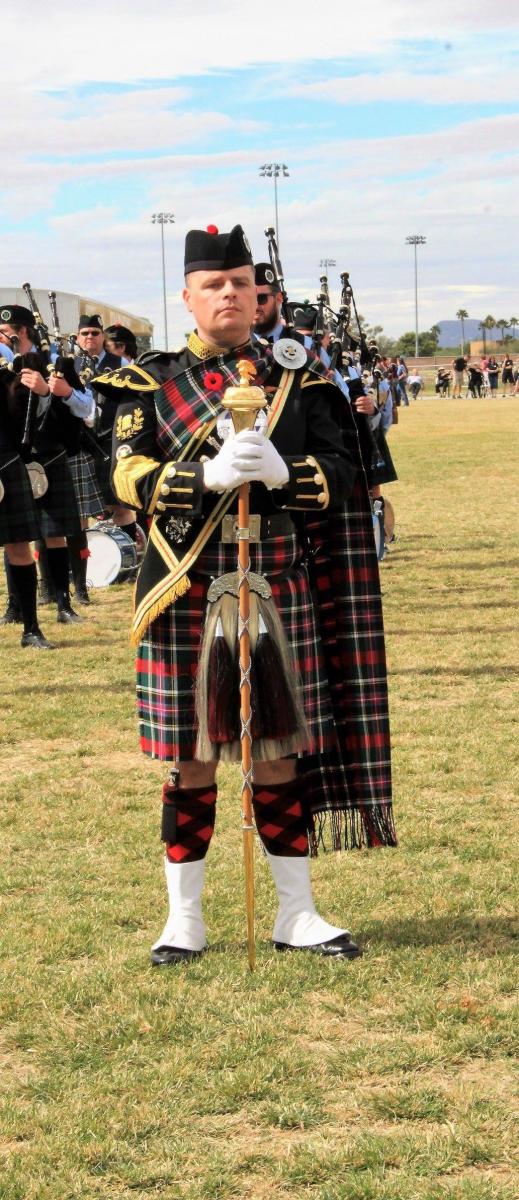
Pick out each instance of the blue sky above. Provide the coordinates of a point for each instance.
(411, 127)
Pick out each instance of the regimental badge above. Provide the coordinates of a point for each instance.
(289, 353)
(269, 275)
(177, 529)
(6, 314)
(128, 424)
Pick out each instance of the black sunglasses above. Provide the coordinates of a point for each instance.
(262, 297)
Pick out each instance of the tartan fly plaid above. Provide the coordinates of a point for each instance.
(350, 782)
(167, 657)
(88, 492)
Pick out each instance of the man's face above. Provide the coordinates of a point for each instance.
(6, 333)
(268, 305)
(90, 340)
(223, 304)
(114, 347)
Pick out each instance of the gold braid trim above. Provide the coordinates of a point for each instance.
(158, 607)
(203, 349)
(160, 481)
(127, 474)
(163, 593)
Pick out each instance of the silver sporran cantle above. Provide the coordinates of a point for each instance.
(38, 479)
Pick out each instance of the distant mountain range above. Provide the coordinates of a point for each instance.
(451, 332)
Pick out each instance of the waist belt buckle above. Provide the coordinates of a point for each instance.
(231, 529)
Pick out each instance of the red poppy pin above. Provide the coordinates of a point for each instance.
(213, 381)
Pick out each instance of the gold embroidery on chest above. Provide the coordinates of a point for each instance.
(129, 423)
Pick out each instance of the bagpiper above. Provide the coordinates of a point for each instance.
(320, 722)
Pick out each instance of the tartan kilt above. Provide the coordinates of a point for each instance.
(18, 516)
(103, 470)
(167, 657)
(57, 510)
(88, 493)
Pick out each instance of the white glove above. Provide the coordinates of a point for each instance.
(222, 473)
(259, 460)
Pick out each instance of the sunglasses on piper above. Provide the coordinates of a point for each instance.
(91, 332)
(262, 297)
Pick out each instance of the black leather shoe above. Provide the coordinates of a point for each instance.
(12, 616)
(36, 640)
(170, 956)
(67, 616)
(46, 596)
(339, 947)
(81, 596)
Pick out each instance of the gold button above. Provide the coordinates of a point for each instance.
(318, 479)
(161, 507)
(322, 497)
(165, 490)
(171, 473)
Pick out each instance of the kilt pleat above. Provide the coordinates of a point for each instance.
(18, 515)
(57, 509)
(88, 492)
(167, 657)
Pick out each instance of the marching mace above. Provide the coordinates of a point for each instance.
(243, 403)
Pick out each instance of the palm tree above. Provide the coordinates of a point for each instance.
(502, 325)
(462, 316)
(512, 323)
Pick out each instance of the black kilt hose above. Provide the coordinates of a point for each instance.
(19, 520)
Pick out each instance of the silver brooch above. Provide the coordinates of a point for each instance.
(289, 353)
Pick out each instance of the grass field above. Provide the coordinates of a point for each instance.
(390, 1078)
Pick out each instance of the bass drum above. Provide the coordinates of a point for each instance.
(113, 555)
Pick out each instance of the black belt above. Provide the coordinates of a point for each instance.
(261, 528)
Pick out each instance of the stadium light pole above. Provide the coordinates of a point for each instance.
(415, 240)
(273, 171)
(327, 262)
(162, 219)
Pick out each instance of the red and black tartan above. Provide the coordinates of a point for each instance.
(167, 658)
(350, 782)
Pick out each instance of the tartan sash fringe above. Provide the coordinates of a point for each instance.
(353, 829)
(158, 607)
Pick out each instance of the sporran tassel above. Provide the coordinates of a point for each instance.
(278, 720)
(223, 712)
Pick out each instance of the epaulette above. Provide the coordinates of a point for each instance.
(149, 356)
(131, 378)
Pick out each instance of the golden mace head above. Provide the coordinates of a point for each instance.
(244, 401)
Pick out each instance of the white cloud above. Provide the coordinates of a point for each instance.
(170, 38)
(476, 87)
(353, 198)
(108, 123)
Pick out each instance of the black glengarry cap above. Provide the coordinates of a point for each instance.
(90, 321)
(209, 250)
(16, 314)
(265, 276)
